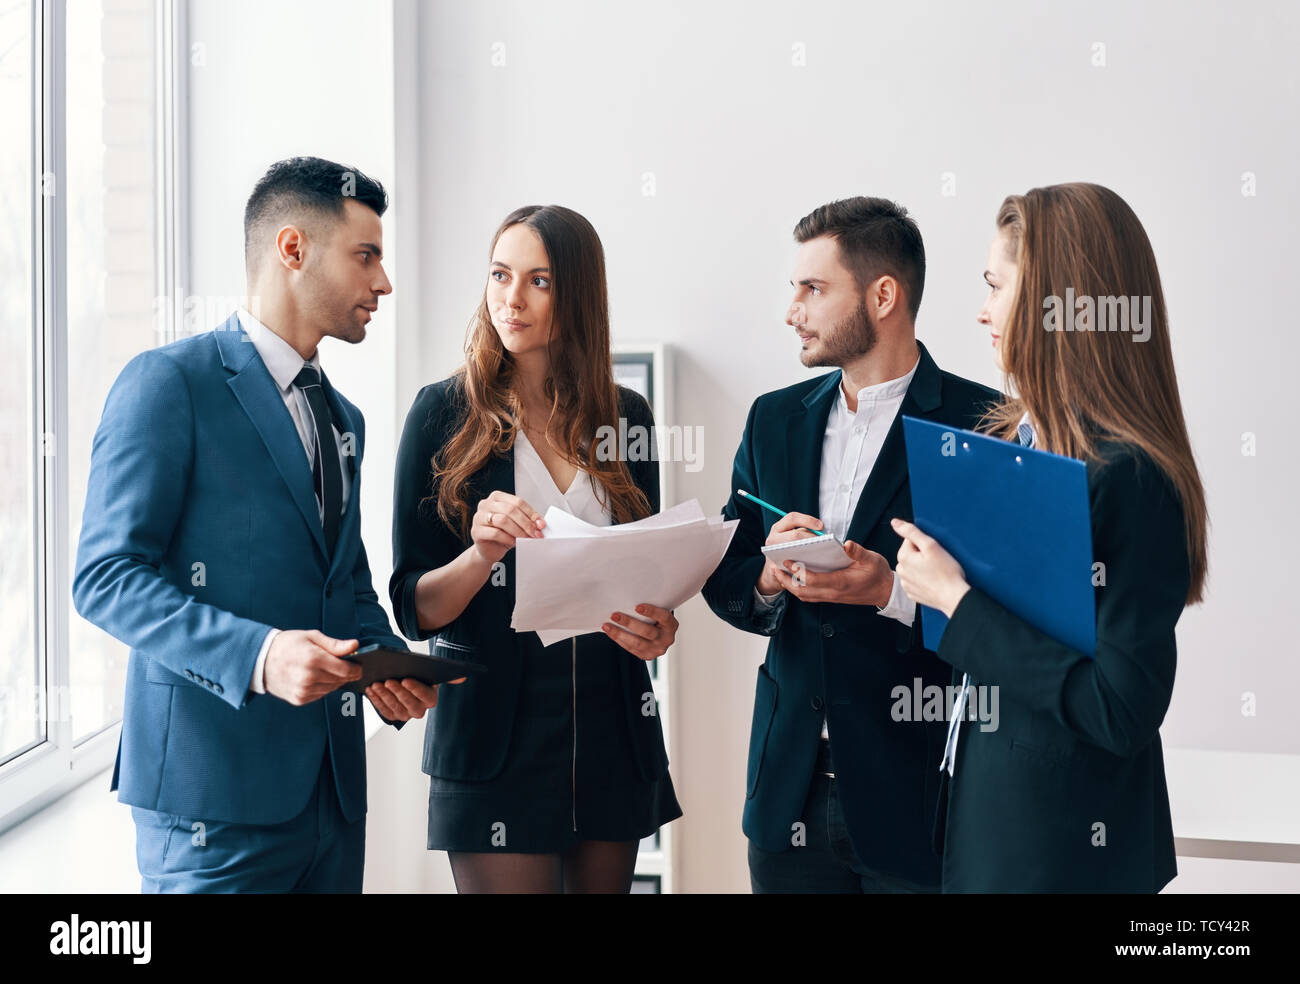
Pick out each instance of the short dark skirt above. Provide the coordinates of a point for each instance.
(570, 774)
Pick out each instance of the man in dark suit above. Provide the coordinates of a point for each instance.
(842, 779)
(221, 540)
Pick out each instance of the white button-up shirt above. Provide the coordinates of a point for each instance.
(850, 448)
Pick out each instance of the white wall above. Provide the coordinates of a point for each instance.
(741, 143)
(282, 78)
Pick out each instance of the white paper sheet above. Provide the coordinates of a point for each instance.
(571, 580)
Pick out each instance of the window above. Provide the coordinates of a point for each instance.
(20, 724)
(110, 246)
(87, 210)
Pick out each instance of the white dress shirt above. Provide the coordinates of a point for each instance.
(849, 451)
(1033, 432)
(284, 363)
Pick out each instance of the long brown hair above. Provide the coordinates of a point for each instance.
(1080, 387)
(580, 384)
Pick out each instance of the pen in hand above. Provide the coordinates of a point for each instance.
(768, 505)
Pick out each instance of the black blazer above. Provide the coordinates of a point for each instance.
(468, 733)
(841, 660)
(1077, 743)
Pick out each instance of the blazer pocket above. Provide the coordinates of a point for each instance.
(468, 734)
(1054, 767)
(1077, 761)
(765, 696)
(454, 650)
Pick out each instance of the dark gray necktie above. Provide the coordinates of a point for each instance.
(1026, 434)
(325, 471)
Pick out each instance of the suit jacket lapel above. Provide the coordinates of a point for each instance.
(498, 475)
(890, 470)
(804, 436)
(258, 395)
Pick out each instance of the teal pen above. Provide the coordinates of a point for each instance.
(768, 505)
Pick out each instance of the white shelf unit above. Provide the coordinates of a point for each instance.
(645, 367)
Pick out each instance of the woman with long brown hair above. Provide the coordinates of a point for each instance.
(1068, 792)
(546, 771)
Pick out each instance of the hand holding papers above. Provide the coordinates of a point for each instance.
(570, 580)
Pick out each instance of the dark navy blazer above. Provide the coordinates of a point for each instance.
(1068, 793)
(841, 661)
(468, 733)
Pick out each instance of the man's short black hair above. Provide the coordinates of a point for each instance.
(876, 237)
(302, 185)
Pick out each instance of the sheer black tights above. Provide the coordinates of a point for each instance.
(589, 867)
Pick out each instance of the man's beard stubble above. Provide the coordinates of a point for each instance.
(850, 339)
(338, 318)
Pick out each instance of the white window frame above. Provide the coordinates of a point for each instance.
(51, 768)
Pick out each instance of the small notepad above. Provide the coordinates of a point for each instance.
(816, 553)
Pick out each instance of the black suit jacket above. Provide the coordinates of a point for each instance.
(844, 661)
(1068, 792)
(468, 733)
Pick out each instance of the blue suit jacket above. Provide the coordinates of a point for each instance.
(201, 533)
(840, 661)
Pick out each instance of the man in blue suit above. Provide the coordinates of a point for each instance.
(843, 781)
(221, 541)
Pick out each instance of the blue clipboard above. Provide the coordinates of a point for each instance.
(1016, 519)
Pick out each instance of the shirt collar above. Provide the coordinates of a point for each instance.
(889, 389)
(281, 359)
(1033, 431)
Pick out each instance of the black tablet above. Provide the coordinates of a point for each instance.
(382, 663)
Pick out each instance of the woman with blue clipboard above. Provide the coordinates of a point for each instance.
(1067, 793)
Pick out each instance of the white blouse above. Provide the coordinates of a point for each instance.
(533, 484)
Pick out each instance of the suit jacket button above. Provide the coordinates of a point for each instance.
(828, 630)
(217, 687)
(189, 674)
(816, 703)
